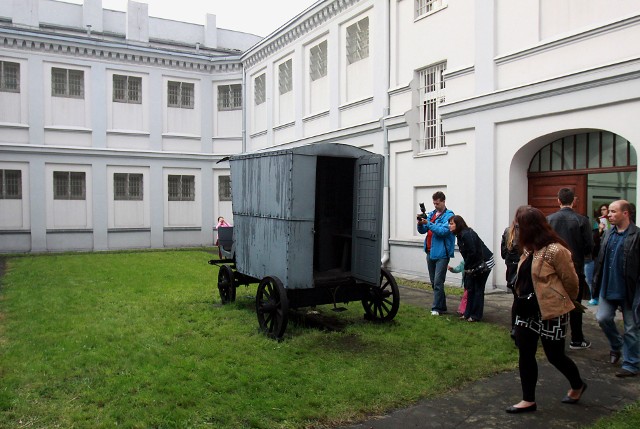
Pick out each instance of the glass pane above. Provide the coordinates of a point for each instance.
(535, 163)
(568, 153)
(545, 158)
(119, 186)
(581, 151)
(607, 149)
(556, 155)
(621, 151)
(594, 150)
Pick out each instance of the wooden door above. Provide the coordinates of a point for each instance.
(543, 192)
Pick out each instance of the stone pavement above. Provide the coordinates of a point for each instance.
(481, 404)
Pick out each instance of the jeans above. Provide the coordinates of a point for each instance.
(475, 301)
(629, 342)
(437, 273)
(588, 276)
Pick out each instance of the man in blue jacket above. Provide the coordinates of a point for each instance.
(438, 245)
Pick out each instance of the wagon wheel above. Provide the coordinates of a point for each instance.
(382, 302)
(272, 307)
(226, 284)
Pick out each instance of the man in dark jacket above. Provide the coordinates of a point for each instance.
(616, 277)
(575, 229)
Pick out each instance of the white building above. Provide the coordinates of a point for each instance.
(111, 124)
(497, 103)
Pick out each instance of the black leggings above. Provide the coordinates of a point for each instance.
(527, 341)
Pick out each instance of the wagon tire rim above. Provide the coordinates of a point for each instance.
(226, 284)
(272, 307)
(381, 302)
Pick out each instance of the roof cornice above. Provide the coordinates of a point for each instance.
(113, 51)
(297, 27)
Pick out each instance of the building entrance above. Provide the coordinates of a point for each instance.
(599, 166)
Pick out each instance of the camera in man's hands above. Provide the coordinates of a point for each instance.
(422, 215)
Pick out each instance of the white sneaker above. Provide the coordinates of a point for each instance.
(435, 313)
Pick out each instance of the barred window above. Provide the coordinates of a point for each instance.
(230, 97)
(424, 7)
(182, 188)
(224, 188)
(318, 61)
(67, 83)
(180, 94)
(127, 186)
(285, 77)
(127, 89)
(10, 184)
(9, 76)
(69, 185)
(259, 89)
(432, 96)
(358, 41)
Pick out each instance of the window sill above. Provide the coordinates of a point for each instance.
(129, 132)
(355, 103)
(284, 126)
(315, 116)
(181, 136)
(68, 129)
(435, 152)
(14, 125)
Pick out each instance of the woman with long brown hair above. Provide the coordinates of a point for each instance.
(546, 287)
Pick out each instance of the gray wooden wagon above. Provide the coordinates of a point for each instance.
(307, 229)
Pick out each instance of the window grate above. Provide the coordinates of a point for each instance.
(10, 184)
(181, 187)
(259, 89)
(127, 186)
(127, 89)
(67, 83)
(285, 77)
(424, 7)
(69, 185)
(358, 41)
(224, 188)
(318, 61)
(180, 94)
(9, 76)
(431, 89)
(230, 97)
(368, 178)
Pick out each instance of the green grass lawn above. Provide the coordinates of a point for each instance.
(140, 340)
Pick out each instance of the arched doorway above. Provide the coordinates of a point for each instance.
(599, 166)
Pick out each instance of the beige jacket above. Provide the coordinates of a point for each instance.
(554, 280)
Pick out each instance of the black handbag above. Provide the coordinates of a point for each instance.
(527, 306)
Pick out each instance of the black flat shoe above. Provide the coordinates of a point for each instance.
(518, 410)
(569, 400)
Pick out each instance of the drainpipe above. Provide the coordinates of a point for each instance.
(244, 109)
(386, 216)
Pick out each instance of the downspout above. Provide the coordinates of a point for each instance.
(386, 215)
(244, 108)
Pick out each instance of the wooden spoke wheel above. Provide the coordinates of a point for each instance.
(382, 302)
(226, 284)
(272, 307)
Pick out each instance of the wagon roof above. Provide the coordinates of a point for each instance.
(318, 149)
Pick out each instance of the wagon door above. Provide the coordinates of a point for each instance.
(367, 219)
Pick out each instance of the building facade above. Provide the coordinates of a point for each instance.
(111, 124)
(494, 102)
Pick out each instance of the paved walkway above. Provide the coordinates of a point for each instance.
(482, 403)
